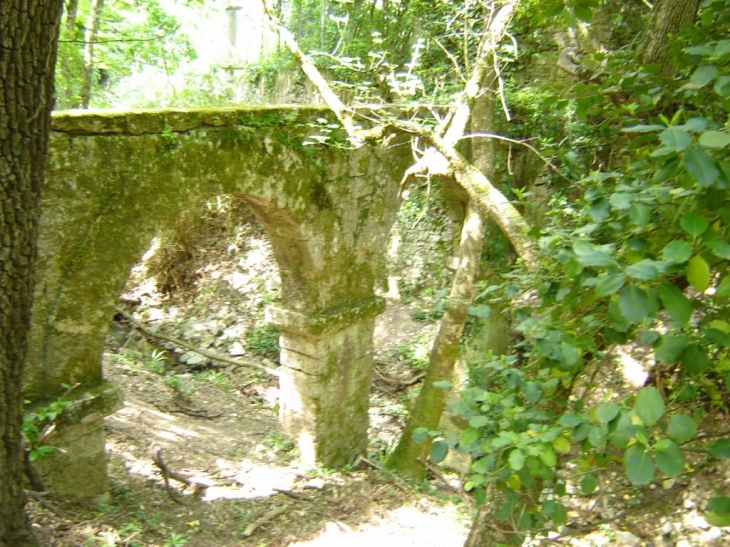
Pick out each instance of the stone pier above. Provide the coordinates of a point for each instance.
(326, 369)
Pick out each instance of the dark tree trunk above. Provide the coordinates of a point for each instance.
(668, 18)
(28, 40)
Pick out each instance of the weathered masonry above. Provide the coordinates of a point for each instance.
(115, 178)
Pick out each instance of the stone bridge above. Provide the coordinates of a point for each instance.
(115, 179)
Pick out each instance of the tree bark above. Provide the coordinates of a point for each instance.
(668, 18)
(28, 41)
(409, 457)
(92, 31)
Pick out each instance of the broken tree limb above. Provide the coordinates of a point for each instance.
(203, 352)
(155, 453)
(263, 519)
(449, 162)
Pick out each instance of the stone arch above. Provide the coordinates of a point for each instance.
(114, 179)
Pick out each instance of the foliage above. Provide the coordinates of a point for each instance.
(263, 340)
(135, 36)
(639, 256)
(37, 423)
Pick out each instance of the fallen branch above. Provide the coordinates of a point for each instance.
(266, 517)
(396, 381)
(155, 453)
(390, 476)
(203, 352)
(293, 495)
(192, 412)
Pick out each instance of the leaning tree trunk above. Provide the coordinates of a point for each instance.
(92, 31)
(668, 17)
(28, 41)
(409, 457)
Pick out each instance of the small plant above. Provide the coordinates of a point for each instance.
(175, 540)
(263, 340)
(156, 362)
(128, 358)
(39, 423)
(215, 377)
(168, 139)
(278, 442)
(415, 356)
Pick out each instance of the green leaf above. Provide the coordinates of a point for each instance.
(583, 12)
(439, 450)
(677, 251)
(621, 200)
(722, 86)
(610, 284)
(644, 269)
(695, 225)
(597, 436)
(641, 128)
(420, 434)
(468, 437)
(623, 432)
(482, 312)
(702, 76)
(720, 248)
(693, 124)
(570, 419)
(714, 139)
(639, 465)
(718, 511)
(677, 305)
(547, 456)
(588, 485)
(570, 355)
(561, 445)
(633, 303)
(516, 459)
(698, 273)
(588, 255)
(723, 289)
(694, 359)
(721, 449)
(675, 139)
(649, 405)
(682, 428)
(640, 214)
(701, 166)
(670, 348)
(669, 457)
(533, 391)
(605, 412)
(478, 421)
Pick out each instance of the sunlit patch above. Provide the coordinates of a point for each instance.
(633, 371)
(404, 527)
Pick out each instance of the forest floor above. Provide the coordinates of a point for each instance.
(215, 425)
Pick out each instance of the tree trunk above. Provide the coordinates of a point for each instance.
(92, 31)
(28, 41)
(72, 8)
(668, 17)
(409, 456)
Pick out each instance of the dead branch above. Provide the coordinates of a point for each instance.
(396, 381)
(266, 517)
(203, 352)
(155, 453)
(192, 412)
(293, 495)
